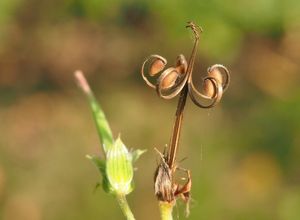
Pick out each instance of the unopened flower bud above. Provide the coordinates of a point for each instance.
(119, 168)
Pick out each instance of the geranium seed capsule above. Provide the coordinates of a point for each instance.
(156, 66)
(169, 80)
(181, 64)
(208, 87)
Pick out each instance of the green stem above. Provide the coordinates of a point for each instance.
(102, 125)
(166, 209)
(125, 207)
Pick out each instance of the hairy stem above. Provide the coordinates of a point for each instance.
(125, 207)
(166, 209)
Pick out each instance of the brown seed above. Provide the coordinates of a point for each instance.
(181, 64)
(208, 87)
(156, 66)
(169, 80)
(216, 74)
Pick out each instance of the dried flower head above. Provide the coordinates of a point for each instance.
(168, 83)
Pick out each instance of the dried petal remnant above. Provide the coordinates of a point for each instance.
(163, 184)
(166, 189)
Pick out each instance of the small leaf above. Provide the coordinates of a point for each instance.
(101, 165)
(135, 155)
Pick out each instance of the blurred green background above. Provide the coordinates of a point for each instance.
(243, 154)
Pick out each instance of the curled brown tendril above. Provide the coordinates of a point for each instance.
(170, 81)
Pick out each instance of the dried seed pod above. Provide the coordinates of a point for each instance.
(208, 87)
(169, 78)
(181, 64)
(156, 66)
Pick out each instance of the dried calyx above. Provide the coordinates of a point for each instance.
(166, 188)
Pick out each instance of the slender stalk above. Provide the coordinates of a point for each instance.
(125, 207)
(102, 125)
(166, 209)
(180, 107)
(177, 127)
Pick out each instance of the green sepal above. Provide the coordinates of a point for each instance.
(119, 168)
(101, 166)
(132, 186)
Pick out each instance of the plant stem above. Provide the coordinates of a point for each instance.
(125, 207)
(180, 106)
(166, 209)
(102, 125)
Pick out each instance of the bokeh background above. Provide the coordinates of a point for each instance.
(243, 154)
